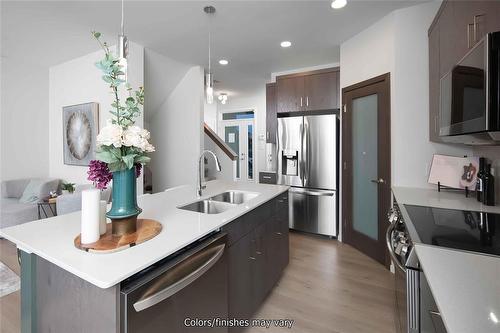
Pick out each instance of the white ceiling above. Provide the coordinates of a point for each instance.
(247, 33)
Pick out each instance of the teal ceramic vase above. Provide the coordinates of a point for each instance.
(124, 209)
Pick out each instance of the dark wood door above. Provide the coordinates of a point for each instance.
(434, 81)
(366, 170)
(322, 91)
(271, 113)
(449, 34)
(474, 19)
(240, 278)
(290, 94)
(277, 245)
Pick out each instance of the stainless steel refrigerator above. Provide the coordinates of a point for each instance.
(307, 154)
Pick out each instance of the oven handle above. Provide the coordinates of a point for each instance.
(388, 236)
(182, 282)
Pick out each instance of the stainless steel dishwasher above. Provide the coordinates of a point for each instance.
(174, 292)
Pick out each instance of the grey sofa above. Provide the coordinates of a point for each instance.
(72, 202)
(14, 212)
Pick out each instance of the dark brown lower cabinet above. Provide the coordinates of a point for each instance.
(257, 259)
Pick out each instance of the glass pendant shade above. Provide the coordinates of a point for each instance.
(209, 88)
(123, 54)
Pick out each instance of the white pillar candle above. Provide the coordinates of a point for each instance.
(102, 216)
(90, 216)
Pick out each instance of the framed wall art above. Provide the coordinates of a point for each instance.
(80, 128)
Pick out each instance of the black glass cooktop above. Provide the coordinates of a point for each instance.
(457, 229)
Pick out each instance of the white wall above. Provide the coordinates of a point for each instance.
(176, 130)
(161, 76)
(210, 114)
(79, 81)
(24, 120)
(398, 44)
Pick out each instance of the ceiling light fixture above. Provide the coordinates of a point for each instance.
(222, 98)
(286, 43)
(123, 45)
(223, 62)
(493, 318)
(337, 4)
(209, 78)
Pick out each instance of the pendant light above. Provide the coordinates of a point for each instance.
(123, 45)
(209, 78)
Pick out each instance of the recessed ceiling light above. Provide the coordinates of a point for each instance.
(223, 62)
(286, 43)
(337, 4)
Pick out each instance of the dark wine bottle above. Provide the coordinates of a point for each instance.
(479, 180)
(488, 187)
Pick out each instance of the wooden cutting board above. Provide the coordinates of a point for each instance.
(108, 243)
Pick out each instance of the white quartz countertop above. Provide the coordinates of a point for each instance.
(445, 199)
(466, 286)
(52, 239)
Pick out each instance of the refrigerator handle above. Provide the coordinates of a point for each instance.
(301, 162)
(305, 153)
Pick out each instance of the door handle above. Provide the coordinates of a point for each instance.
(388, 243)
(178, 284)
(378, 181)
(315, 193)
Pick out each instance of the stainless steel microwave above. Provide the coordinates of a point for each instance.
(469, 96)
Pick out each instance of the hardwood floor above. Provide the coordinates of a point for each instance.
(327, 287)
(331, 287)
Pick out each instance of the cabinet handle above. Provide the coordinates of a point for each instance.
(475, 26)
(468, 34)
(435, 313)
(267, 135)
(258, 252)
(301, 102)
(307, 100)
(252, 258)
(266, 177)
(279, 233)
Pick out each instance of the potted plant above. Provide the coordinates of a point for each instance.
(122, 147)
(67, 188)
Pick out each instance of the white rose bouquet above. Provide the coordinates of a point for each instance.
(121, 144)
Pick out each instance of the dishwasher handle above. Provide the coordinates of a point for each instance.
(180, 277)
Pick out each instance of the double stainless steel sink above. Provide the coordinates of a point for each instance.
(220, 203)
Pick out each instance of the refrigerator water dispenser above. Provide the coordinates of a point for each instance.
(290, 163)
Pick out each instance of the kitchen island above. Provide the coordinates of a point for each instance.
(67, 289)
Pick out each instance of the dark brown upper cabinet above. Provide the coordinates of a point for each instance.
(271, 109)
(290, 94)
(457, 27)
(322, 91)
(316, 90)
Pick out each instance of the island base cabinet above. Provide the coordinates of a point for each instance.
(256, 260)
(67, 303)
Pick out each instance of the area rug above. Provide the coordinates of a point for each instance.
(9, 281)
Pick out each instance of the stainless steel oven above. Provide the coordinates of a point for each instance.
(469, 96)
(415, 308)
